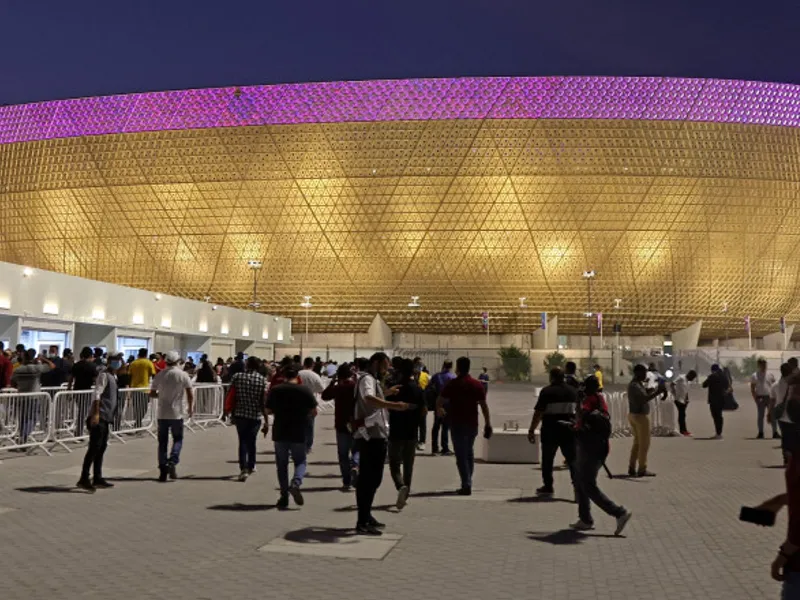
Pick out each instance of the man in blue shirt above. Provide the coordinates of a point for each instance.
(432, 393)
(484, 379)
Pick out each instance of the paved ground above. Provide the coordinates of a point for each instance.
(200, 537)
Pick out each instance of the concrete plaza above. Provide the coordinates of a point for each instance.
(207, 536)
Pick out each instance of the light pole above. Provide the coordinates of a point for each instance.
(306, 303)
(588, 276)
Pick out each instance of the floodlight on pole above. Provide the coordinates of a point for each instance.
(306, 303)
(522, 302)
(414, 302)
(589, 275)
(254, 266)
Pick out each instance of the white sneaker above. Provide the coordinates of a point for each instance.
(581, 526)
(402, 497)
(243, 476)
(421, 447)
(622, 521)
(717, 437)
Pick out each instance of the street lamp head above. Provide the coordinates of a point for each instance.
(306, 302)
(589, 274)
(254, 264)
(414, 302)
(522, 302)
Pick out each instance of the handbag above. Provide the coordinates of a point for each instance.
(729, 402)
(230, 400)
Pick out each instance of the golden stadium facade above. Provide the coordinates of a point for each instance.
(471, 193)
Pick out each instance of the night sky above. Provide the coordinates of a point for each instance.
(54, 49)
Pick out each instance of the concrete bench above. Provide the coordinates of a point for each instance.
(509, 447)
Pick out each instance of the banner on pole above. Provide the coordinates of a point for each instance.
(485, 320)
(544, 320)
(783, 324)
(600, 321)
(747, 324)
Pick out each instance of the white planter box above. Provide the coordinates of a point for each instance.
(510, 447)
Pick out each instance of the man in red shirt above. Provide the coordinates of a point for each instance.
(463, 396)
(6, 368)
(342, 390)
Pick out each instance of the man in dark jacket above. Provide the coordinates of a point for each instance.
(718, 385)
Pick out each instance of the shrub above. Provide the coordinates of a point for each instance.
(554, 359)
(516, 363)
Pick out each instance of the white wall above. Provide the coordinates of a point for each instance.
(47, 300)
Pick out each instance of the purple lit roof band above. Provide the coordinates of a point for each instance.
(646, 98)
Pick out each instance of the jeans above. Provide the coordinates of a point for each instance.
(716, 414)
(247, 429)
(310, 433)
(98, 442)
(423, 428)
(370, 475)
(762, 404)
(555, 437)
(165, 426)
(588, 465)
(283, 450)
(681, 417)
(348, 455)
(640, 425)
(791, 586)
(464, 445)
(402, 453)
(440, 423)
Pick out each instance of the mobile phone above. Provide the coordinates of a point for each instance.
(758, 516)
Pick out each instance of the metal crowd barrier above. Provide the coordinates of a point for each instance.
(209, 404)
(25, 421)
(46, 419)
(618, 411)
(70, 410)
(664, 417)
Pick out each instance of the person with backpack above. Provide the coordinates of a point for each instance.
(593, 431)
(432, 393)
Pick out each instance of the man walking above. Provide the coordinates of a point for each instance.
(312, 380)
(170, 386)
(462, 396)
(142, 372)
(342, 390)
(104, 405)
(717, 385)
(680, 391)
(639, 419)
(593, 429)
(81, 378)
(292, 404)
(403, 427)
(760, 385)
(371, 433)
(554, 408)
(250, 390)
(440, 423)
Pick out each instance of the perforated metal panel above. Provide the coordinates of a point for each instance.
(468, 193)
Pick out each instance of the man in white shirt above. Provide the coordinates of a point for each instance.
(652, 378)
(330, 369)
(170, 386)
(314, 383)
(760, 387)
(680, 391)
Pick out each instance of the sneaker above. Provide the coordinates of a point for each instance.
(402, 497)
(173, 472)
(253, 470)
(434, 451)
(717, 437)
(297, 496)
(581, 526)
(464, 491)
(421, 447)
(545, 490)
(243, 475)
(622, 521)
(446, 452)
(367, 529)
(346, 488)
(687, 434)
(163, 474)
(631, 472)
(645, 473)
(373, 522)
(353, 476)
(85, 484)
(283, 502)
(102, 483)
(760, 436)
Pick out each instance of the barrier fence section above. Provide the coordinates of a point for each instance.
(70, 410)
(209, 404)
(25, 420)
(56, 416)
(663, 415)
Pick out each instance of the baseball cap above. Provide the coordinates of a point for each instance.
(172, 357)
(115, 354)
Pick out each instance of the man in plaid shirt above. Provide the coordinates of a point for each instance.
(250, 389)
